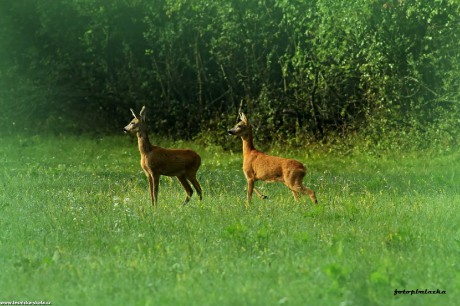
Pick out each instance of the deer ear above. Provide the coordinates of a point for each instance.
(142, 113)
(243, 118)
(134, 114)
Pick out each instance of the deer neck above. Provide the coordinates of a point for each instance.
(143, 141)
(248, 143)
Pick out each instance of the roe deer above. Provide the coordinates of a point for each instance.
(156, 161)
(260, 166)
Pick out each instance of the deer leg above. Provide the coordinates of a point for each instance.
(155, 183)
(294, 184)
(197, 186)
(296, 194)
(250, 189)
(310, 193)
(187, 188)
(303, 190)
(262, 196)
(150, 179)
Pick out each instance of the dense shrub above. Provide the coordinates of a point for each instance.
(307, 69)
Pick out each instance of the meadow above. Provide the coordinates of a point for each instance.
(77, 228)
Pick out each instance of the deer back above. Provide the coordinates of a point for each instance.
(171, 162)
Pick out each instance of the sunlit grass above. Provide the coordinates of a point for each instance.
(78, 228)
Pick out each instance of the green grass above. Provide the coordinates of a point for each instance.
(77, 228)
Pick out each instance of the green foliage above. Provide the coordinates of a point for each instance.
(78, 228)
(309, 69)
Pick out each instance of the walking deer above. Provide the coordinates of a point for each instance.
(156, 161)
(260, 166)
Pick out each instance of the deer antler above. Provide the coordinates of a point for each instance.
(243, 118)
(142, 113)
(134, 114)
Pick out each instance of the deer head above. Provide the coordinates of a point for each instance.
(242, 128)
(135, 124)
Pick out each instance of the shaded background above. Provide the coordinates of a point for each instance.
(314, 71)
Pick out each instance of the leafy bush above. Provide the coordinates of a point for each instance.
(306, 69)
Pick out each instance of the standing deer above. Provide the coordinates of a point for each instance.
(260, 166)
(156, 161)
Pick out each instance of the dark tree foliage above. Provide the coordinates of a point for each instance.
(303, 68)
